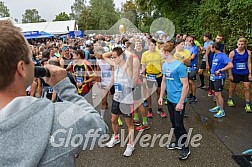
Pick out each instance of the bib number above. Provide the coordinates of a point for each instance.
(106, 74)
(151, 77)
(240, 66)
(79, 79)
(118, 87)
(212, 77)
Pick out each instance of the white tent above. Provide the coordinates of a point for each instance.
(56, 28)
(34, 26)
(60, 27)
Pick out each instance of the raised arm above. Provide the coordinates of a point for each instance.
(107, 57)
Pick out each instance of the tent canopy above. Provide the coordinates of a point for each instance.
(55, 28)
(37, 34)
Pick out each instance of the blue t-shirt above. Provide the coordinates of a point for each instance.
(173, 72)
(211, 55)
(220, 61)
(206, 44)
(194, 62)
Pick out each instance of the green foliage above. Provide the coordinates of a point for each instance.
(130, 12)
(4, 11)
(62, 17)
(77, 7)
(100, 15)
(232, 18)
(32, 16)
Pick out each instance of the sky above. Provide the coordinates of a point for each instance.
(47, 9)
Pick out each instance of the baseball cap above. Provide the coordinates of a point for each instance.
(65, 48)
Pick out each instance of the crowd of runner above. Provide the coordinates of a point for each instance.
(130, 68)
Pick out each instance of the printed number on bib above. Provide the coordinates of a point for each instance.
(79, 79)
(212, 77)
(151, 77)
(106, 74)
(118, 87)
(240, 66)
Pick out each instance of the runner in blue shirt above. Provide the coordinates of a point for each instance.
(175, 82)
(209, 59)
(220, 64)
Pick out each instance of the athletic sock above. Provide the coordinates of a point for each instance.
(144, 121)
(136, 118)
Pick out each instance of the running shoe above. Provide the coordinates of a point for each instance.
(210, 93)
(142, 127)
(150, 115)
(113, 141)
(129, 150)
(247, 108)
(161, 113)
(215, 109)
(220, 114)
(185, 152)
(173, 146)
(230, 103)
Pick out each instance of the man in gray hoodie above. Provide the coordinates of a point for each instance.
(37, 132)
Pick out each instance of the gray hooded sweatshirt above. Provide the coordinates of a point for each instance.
(37, 132)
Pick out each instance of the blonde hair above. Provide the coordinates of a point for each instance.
(167, 47)
(242, 39)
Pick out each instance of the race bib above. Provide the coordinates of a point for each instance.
(151, 77)
(169, 75)
(212, 77)
(106, 74)
(118, 87)
(240, 66)
(79, 79)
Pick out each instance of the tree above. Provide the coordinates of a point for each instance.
(4, 11)
(130, 12)
(62, 17)
(77, 8)
(104, 14)
(32, 16)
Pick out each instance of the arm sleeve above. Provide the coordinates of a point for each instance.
(79, 114)
(182, 71)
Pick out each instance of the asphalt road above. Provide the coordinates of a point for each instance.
(221, 138)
